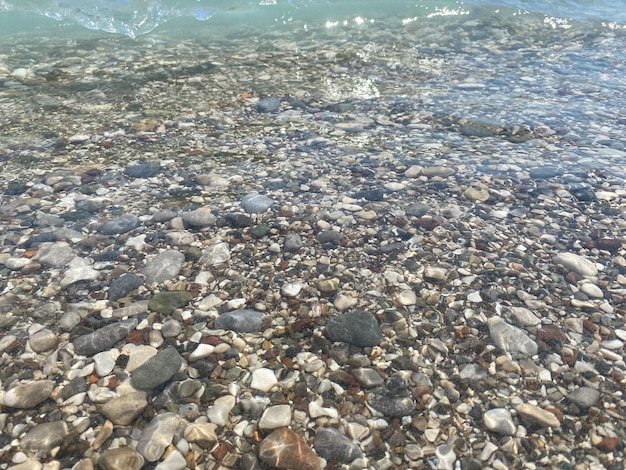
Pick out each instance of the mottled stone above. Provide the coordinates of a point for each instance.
(28, 394)
(293, 242)
(330, 444)
(584, 397)
(474, 194)
(163, 267)
(276, 416)
(268, 105)
(157, 370)
(368, 377)
(256, 203)
(202, 434)
(122, 458)
(79, 270)
(499, 420)
(124, 285)
(124, 409)
(103, 338)
(143, 170)
(199, 218)
(122, 224)
(157, 436)
(220, 410)
(393, 400)
(328, 285)
(216, 255)
(510, 338)
(358, 328)
(166, 302)
(536, 416)
(43, 340)
(54, 255)
(284, 449)
(576, 263)
(45, 436)
(241, 321)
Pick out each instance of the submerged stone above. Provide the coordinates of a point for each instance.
(358, 328)
(157, 370)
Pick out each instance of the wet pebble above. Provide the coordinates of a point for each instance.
(122, 224)
(358, 328)
(330, 444)
(499, 420)
(157, 436)
(163, 267)
(284, 449)
(256, 203)
(28, 394)
(242, 321)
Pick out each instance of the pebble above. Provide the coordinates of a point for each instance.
(330, 444)
(256, 203)
(121, 458)
(511, 339)
(157, 370)
(592, 290)
(241, 321)
(143, 170)
(293, 243)
(435, 274)
(28, 394)
(124, 285)
(446, 456)
(358, 328)
(584, 397)
(407, 297)
(54, 255)
(163, 267)
(263, 379)
(220, 410)
(499, 420)
(123, 410)
(198, 218)
(45, 436)
(345, 302)
(474, 194)
(79, 270)
(328, 286)
(537, 416)
(122, 224)
(104, 363)
(268, 105)
(576, 263)
(284, 449)
(103, 338)
(367, 377)
(43, 340)
(276, 416)
(157, 436)
(202, 434)
(291, 289)
(167, 302)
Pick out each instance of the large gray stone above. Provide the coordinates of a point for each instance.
(45, 436)
(103, 338)
(157, 370)
(358, 328)
(29, 394)
(241, 321)
(164, 266)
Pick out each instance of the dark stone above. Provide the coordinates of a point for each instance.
(239, 220)
(358, 328)
(124, 285)
(157, 370)
(242, 321)
(330, 444)
(544, 172)
(103, 338)
(417, 210)
(584, 194)
(168, 301)
(260, 230)
(122, 224)
(15, 188)
(143, 170)
(370, 194)
(329, 237)
(394, 400)
(268, 105)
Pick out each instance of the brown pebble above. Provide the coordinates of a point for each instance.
(573, 277)
(609, 244)
(589, 326)
(570, 359)
(283, 448)
(608, 444)
(549, 333)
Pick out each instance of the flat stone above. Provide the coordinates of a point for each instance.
(174, 461)
(330, 444)
(536, 416)
(166, 302)
(358, 328)
(28, 394)
(122, 224)
(199, 218)
(241, 321)
(79, 270)
(122, 458)
(437, 171)
(368, 377)
(407, 297)
(291, 289)
(446, 457)
(157, 436)
(163, 267)
(268, 105)
(584, 397)
(124, 409)
(124, 285)
(263, 379)
(435, 274)
(510, 338)
(499, 420)
(592, 290)
(284, 449)
(45, 436)
(43, 340)
(157, 370)
(276, 416)
(474, 194)
(293, 242)
(220, 410)
(55, 255)
(171, 328)
(143, 170)
(103, 338)
(256, 203)
(544, 172)
(202, 434)
(328, 285)
(345, 302)
(576, 263)
(104, 363)
(216, 255)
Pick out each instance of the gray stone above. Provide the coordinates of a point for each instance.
(293, 242)
(394, 399)
(358, 328)
(124, 285)
(216, 255)
(79, 269)
(256, 203)
(367, 377)
(103, 338)
(544, 172)
(143, 170)
(584, 397)
(171, 328)
(576, 263)
(28, 394)
(124, 409)
(510, 338)
(167, 302)
(198, 218)
(330, 237)
(122, 458)
(499, 420)
(417, 210)
(241, 321)
(45, 436)
(43, 340)
(268, 105)
(164, 266)
(330, 444)
(157, 436)
(157, 370)
(122, 224)
(103, 363)
(54, 255)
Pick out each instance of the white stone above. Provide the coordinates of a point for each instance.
(274, 417)
(263, 379)
(218, 413)
(202, 351)
(474, 297)
(291, 289)
(407, 297)
(316, 409)
(576, 263)
(104, 362)
(592, 290)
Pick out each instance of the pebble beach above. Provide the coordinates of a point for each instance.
(398, 246)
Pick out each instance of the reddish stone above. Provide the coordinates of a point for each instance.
(608, 444)
(609, 244)
(573, 277)
(589, 326)
(550, 333)
(135, 337)
(221, 450)
(570, 359)
(283, 448)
